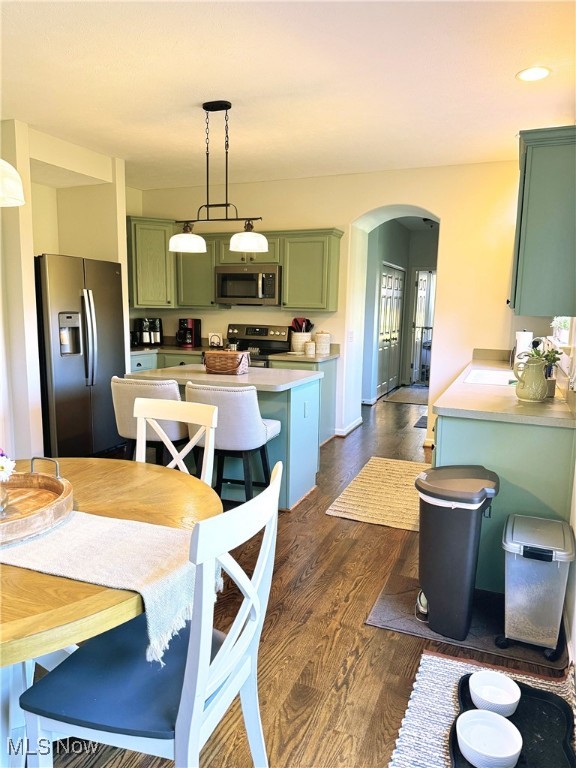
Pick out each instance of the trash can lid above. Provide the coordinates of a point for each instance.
(465, 483)
(539, 533)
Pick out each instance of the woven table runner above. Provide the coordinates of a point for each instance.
(123, 554)
(423, 739)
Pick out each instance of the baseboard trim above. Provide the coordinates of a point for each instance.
(350, 428)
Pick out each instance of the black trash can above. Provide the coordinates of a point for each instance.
(452, 502)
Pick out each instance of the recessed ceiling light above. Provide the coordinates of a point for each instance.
(533, 73)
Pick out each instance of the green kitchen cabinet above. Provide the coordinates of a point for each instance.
(195, 277)
(535, 464)
(544, 273)
(151, 282)
(327, 424)
(169, 359)
(147, 361)
(226, 256)
(310, 266)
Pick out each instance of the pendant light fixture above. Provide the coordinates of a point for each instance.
(11, 191)
(247, 241)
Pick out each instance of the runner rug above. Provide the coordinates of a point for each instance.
(410, 395)
(423, 738)
(383, 493)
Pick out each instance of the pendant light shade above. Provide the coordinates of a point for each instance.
(11, 191)
(187, 242)
(248, 241)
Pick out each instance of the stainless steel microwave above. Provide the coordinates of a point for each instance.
(251, 284)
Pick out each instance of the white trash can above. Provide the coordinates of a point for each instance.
(538, 555)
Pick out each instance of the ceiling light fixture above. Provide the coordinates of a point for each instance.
(533, 73)
(247, 241)
(11, 191)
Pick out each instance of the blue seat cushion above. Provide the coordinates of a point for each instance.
(107, 684)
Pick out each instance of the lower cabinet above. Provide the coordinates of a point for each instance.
(327, 425)
(147, 361)
(168, 359)
(535, 465)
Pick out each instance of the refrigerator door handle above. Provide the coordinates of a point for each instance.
(94, 335)
(91, 340)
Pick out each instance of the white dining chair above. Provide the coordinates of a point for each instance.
(200, 422)
(107, 692)
(241, 430)
(124, 392)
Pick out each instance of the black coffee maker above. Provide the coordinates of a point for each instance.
(147, 332)
(189, 333)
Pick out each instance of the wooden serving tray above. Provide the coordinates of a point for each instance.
(36, 502)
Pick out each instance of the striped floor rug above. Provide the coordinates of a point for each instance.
(423, 739)
(383, 493)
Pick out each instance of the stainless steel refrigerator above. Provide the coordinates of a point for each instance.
(80, 327)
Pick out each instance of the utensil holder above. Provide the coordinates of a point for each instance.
(298, 340)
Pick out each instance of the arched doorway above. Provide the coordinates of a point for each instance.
(402, 249)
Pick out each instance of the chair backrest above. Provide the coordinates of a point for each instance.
(240, 425)
(202, 419)
(212, 681)
(125, 391)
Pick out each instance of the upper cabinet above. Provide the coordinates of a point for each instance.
(544, 275)
(195, 277)
(158, 278)
(310, 269)
(226, 256)
(151, 277)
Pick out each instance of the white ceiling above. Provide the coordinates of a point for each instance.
(317, 88)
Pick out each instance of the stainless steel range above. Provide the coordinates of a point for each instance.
(262, 341)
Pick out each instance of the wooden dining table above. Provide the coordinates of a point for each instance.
(41, 613)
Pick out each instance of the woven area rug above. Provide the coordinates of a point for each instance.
(410, 395)
(395, 606)
(423, 739)
(383, 493)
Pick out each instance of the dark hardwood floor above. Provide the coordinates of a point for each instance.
(333, 690)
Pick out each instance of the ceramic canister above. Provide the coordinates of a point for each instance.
(322, 343)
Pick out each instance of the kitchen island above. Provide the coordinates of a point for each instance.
(292, 397)
(530, 445)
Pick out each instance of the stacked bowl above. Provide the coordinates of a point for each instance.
(485, 737)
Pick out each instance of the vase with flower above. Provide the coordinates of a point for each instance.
(550, 359)
(6, 468)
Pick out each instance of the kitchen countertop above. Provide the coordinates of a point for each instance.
(493, 402)
(264, 379)
(287, 357)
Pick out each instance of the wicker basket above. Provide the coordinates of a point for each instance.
(234, 363)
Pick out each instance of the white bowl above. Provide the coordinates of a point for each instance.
(487, 739)
(494, 691)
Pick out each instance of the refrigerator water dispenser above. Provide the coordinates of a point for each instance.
(70, 338)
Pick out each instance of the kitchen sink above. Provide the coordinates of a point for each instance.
(501, 378)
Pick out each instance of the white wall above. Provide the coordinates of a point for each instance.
(45, 219)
